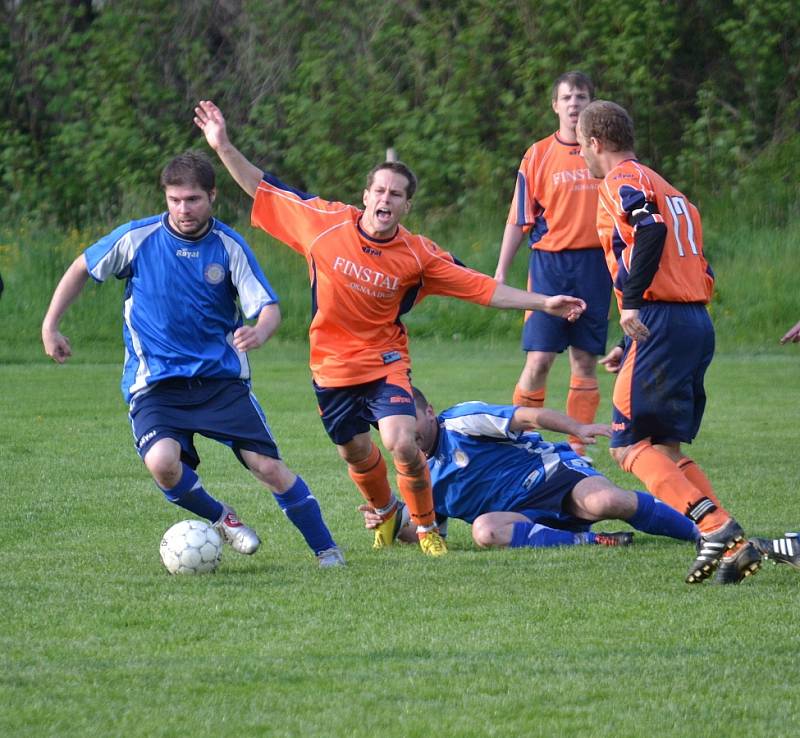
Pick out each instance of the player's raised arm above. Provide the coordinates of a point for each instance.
(209, 119)
(562, 306)
(56, 345)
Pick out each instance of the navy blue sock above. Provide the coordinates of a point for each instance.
(302, 508)
(533, 535)
(659, 519)
(189, 494)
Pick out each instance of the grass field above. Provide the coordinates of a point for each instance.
(98, 640)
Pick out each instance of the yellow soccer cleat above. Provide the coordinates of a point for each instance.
(386, 531)
(432, 544)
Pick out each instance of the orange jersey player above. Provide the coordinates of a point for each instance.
(361, 285)
(366, 270)
(555, 202)
(653, 241)
(633, 197)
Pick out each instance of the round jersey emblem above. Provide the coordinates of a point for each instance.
(214, 273)
(460, 458)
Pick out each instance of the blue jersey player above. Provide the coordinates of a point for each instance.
(190, 282)
(489, 467)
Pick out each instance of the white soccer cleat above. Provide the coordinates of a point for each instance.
(330, 557)
(241, 538)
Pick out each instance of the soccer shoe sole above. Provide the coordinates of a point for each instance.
(711, 549)
(744, 563)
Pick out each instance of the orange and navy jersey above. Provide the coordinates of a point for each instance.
(556, 197)
(360, 286)
(633, 196)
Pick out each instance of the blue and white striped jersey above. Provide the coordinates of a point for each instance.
(180, 309)
(480, 466)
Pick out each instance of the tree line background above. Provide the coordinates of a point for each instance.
(97, 95)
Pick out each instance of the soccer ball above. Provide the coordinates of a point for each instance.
(191, 547)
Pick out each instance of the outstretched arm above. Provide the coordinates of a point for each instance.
(541, 418)
(209, 119)
(562, 306)
(792, 335)
(72, 283)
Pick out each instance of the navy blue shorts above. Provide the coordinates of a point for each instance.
(659, 391)
(348, 411)
(581, 273)
(224, 410)
(545, 505)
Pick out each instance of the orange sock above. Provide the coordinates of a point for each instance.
(583, 400)
(529, 398)
(414, 483)
(372, 479)
(690, 469)
(664, 479)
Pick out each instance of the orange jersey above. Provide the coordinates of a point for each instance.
(556, 197)
(360, 286)
(683, 274)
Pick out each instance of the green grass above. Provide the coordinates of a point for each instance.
(96, 639)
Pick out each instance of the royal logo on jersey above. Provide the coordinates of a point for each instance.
(214, 273)
(371, 251)
(188, 254)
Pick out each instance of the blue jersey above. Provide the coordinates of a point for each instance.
(480, 466)
(180, 309)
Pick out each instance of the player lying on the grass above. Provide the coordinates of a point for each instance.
(366, 271)
(189, 278)
(490, 468)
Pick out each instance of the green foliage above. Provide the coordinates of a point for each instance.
(99, 95)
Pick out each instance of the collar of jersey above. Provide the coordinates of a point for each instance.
(372, 238)
(564, 143)
(183, 236)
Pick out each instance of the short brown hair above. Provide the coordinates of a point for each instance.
(190, 169)
(607, 122)
(574, 79)
(398, 168)
(420, 401)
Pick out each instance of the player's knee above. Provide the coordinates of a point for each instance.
(482, 532)
(404, 449)
(272, 472)
(164, 464)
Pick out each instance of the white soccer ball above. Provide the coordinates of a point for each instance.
(191, 547)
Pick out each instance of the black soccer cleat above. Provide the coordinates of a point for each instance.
(734, 568)
(620, 538)
(784, 550)
(710, 550)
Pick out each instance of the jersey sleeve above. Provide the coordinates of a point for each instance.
(524, 208)
(113, 254)
(294, 217)
(479, 419)
(444, 275)
(252, 285)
